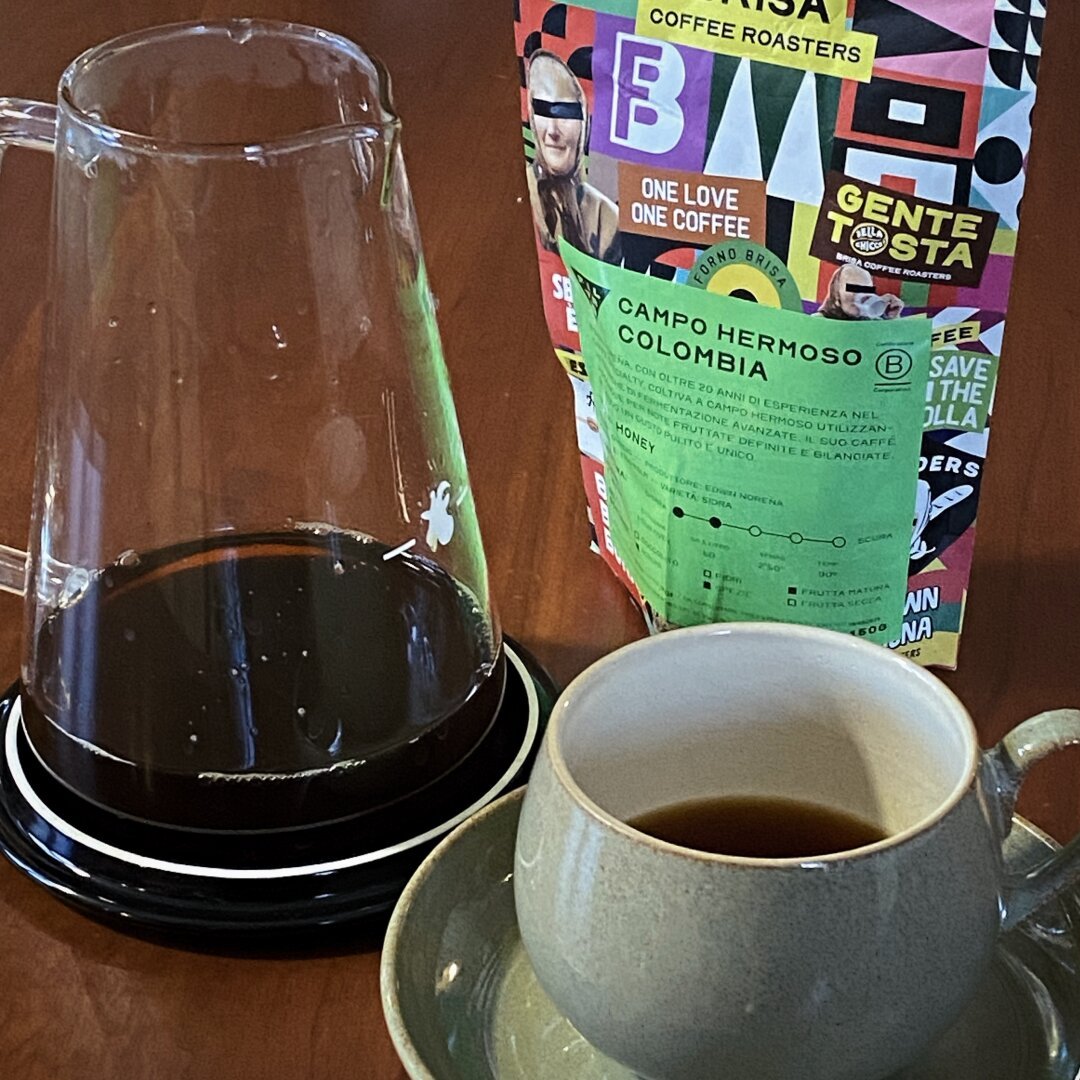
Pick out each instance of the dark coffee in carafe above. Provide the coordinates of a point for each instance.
(263, 681)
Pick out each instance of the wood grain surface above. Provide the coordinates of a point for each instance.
(82, 1002)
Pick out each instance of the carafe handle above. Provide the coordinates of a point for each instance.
(29, 124)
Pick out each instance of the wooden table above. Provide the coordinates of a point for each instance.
(81, 1002)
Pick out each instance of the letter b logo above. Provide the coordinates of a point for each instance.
(648, 78)
(894, 364)
(649, 97)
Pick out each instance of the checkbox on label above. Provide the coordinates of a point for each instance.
(792, 602)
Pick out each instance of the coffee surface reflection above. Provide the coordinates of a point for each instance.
(758, 827)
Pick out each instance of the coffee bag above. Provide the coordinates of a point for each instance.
(776, 239)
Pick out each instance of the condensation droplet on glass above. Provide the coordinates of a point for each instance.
(339, 567)
(279, 337)
(114, 322)
(364, 326)
(193, 737)
(369, 234)
(264, 658)
(301, 711)
(90, 169)
(129, 634)
(129, 557)
(273, 377)
(303, 652)
(241, 31)
(152, 308)
(75, 584)
(234, 671)
(179, 380)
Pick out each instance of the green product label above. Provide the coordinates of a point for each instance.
(760, 463)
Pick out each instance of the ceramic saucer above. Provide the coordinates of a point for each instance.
(462, 1002)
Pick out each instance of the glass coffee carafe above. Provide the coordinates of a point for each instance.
(256, 596)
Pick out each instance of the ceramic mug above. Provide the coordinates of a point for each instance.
(682, 964)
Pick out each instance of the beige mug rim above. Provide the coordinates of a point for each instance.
(829, 638)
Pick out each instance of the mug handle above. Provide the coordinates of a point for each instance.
(30, 124)
(1005, 767)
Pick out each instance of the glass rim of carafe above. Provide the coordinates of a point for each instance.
(140, 142)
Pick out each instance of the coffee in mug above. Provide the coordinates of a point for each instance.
(758, 827)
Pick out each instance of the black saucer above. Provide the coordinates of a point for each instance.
(177, 881)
